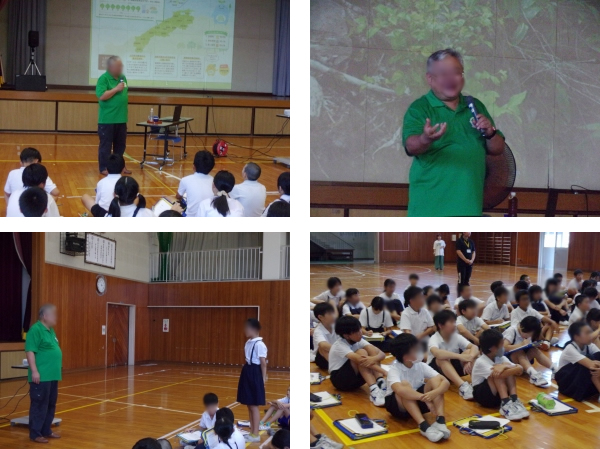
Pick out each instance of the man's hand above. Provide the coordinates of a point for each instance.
(483, 123)
(35, 377)
(432, 133)
(120, 87)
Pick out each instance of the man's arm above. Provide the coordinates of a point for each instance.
(419, 144)
(35, 375)
(106, 94)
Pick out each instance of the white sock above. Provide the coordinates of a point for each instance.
(531, 371)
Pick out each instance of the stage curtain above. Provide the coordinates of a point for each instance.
(281, 66)
(23, 16)
(24, 247)
(3, 4)
(10, 299)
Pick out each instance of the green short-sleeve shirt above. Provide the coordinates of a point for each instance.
(48, 355)
(447, 180)
(113, 110)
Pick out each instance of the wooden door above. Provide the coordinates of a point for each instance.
(118, 335)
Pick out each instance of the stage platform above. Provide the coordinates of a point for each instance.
(76, 110)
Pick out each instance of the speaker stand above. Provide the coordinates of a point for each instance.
(32, 64)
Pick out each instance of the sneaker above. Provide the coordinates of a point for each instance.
(313, 356)
(443, 429)
(432, 434)
(544, 346)
(537, 380)
(331, 444)
(553, 341)
(377, 397)
(263, 426)
(523, 412)
(252, 438)
(466, 391)
(510, 411)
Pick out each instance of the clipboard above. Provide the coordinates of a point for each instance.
(190, 437)
(463, 426)
(396, 332)
(563, 409)
(352, 429)
(535, 344)
(317, 378)
(375, 337)
(500, 326)
(327, 400)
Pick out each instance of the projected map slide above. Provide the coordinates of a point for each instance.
(165, 43)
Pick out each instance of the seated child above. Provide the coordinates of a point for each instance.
(33, 202)
(493, 377)
(354, 361)
(464, 292)
(334, 292)
(581, 309)
(221, 205)
(427, 290)
(236, 438)
(521, 334)
(524, 309)
(376, 319)
(324, 334)
(14, 181)
(578, 374)
(352, 305)
(392, 300)
(279, 209)
(555, 302)
(105, 188)
(535, 299)
(283, 186)
(211, 405)
(593, 320)
(493, 287)
(519, 285)
(444, 292)
(451, 354)
(251, 193)
(468, 324)
(278, 411)
(575, 284)
(224, 429)
(197, 187)
(592, 293)
(414, 388)
(416, 319)
(320, 440)
(127, 201)
(525, 278)
(497, 311)
(281, 440)
(413, 280)
(34, 175)
(434, 304)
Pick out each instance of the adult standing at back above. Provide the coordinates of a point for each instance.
(465, 250)
(45, 371)
(112, 93)
(438, 252)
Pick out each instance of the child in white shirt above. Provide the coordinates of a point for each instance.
(14, 181)
(105, 189)
(464, 292)
(198, 186)
(468, 324)
(283, 186)
(392, 299)
(34, 175)
(524, 309)
(416, 319)
(221, 205)
(581, 309)
(353, 305)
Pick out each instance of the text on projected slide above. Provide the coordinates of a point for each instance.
(165, 43)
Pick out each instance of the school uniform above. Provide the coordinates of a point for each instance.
(492, 312)
(196, 187)
(376, 323)
(438, 252)
(252, 195)
(14, 182)
(572, 378)
(126, 211)
(482, 369)
(393, 303)
(517, 315)
(353, 309)
(555, 315)
(105, 190)
(472, 325)
(491, 299)
(342, 374)
(14, 210)
(577, 315)
(594, 304)
(251, 386)
(513, 336)
(326, 296)
(574, 284)
(206, 209)
(416, 321)
(321, 334)
(206, 422)
(540, 306)
(233, 443)
(461, 299)
(456, 344)
(284, 197)
(416, 376)
(284, 421)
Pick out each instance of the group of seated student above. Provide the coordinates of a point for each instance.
(436, 347)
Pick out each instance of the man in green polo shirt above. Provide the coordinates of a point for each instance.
(446, 143)
(45, 370)
(111, 91)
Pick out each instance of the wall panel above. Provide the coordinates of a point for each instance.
(584, 252)
(225, 120)
(527, 249)
(408, 247)
(27, 115)
(267, 122)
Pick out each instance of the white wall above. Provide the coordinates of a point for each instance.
(133, 255)
(271, 259)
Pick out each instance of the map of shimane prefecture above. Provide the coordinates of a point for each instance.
(165, 43)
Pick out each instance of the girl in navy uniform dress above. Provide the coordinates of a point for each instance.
(251, 387)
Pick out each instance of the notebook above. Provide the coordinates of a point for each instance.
(560, 408)
(327, 400)
(190, 437)
(463, 425)
(375, 337)
(352, 429)
(396, 332)
(316, 378)
(162, 205)
(500, 326)
(535, 344)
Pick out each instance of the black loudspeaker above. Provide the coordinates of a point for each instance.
(34, 39)
(35, 83)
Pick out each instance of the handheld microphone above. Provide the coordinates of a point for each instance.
(471, 106)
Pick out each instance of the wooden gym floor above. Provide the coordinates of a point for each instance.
(539, 431)
(71, 160)
(116, 407)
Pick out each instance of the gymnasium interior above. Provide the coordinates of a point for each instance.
(148, 322)
(363, 260)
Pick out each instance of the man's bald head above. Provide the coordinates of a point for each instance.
(114, 66)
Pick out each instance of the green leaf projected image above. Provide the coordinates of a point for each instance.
(531, 62)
